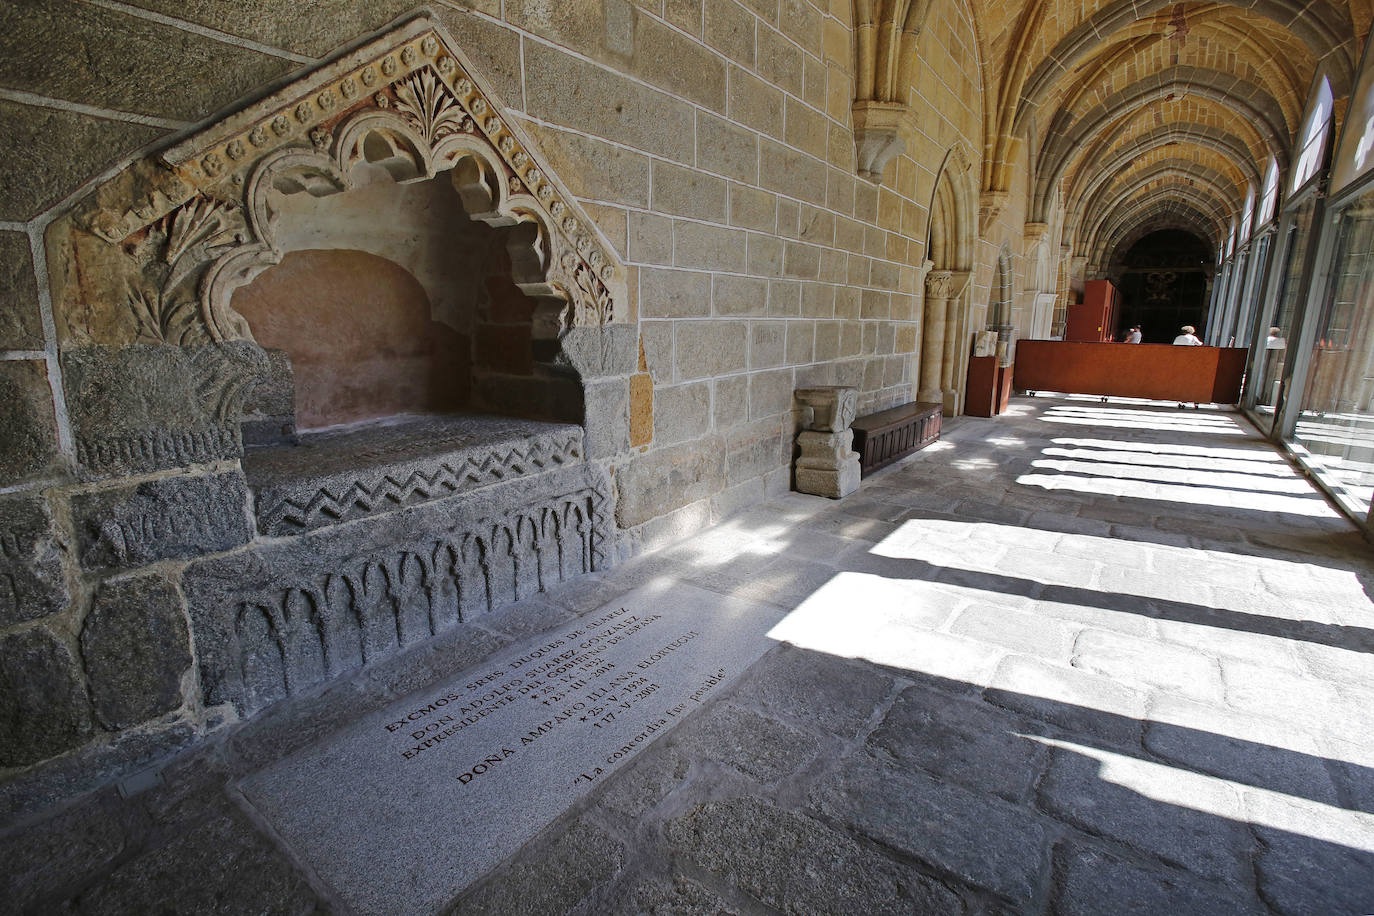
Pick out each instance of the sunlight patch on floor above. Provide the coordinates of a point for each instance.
(983, 547)
(1184, 414)
(1170, 460)
(1312, 506)
(1189, 476)
(1214, 795)
(1181, 426)
(887, 622)
(1260, 453)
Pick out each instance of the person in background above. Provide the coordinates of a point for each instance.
(1134, 336)
(1275, 349)
(1188, 338)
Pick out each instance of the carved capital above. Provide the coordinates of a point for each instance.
(945, 284)
(880, 130)
(939, 284)
(832, 407)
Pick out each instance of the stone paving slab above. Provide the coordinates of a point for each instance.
(1190, 823)
(1090, 880)
(969, 743)
(797, 864)
(982, 686)
(983, 841)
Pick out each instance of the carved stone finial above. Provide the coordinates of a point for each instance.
(1034, 233)
(959, 158)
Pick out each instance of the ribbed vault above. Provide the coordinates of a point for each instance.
(1127, 116)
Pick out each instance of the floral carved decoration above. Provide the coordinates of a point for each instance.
(423, 100)
(165, 309)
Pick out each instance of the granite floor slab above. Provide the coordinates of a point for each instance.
(1084, 658)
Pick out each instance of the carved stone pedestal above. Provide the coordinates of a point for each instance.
(828, 465)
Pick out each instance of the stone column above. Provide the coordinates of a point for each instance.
(948, 383)
(939, 285)
(828, 465)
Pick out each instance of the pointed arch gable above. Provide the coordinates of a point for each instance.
(409, 103)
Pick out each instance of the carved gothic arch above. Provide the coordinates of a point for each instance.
(951, 214)
(951, 231)
(196, 222)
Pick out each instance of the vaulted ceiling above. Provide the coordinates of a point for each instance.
(1139, 115)
(1134, 115)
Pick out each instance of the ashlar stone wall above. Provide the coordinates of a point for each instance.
(709, 140)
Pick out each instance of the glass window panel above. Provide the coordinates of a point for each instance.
(1282, 312)
(1254, 286)
(1270, 198)
(1313, 138)
(1225, 332)
(1336, 424)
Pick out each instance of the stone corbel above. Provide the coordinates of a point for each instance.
(880, 130)
(990, 206)
(1033, 234)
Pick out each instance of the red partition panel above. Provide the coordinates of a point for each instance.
(1230, 374)
(1094, 319)
(980, 398)
(1159, 371)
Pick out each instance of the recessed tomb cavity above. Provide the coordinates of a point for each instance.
(397, 338)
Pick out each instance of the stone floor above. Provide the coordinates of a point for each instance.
(1085, 658)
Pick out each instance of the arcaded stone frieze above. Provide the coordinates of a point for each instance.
(155, 253)
(282, 615)
(337, 477)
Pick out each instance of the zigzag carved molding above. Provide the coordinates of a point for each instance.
(289, 516)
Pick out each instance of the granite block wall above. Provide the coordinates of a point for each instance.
(711, 141)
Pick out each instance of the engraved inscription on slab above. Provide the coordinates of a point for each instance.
(472, 768)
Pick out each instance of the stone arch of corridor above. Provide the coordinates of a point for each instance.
(945, 332)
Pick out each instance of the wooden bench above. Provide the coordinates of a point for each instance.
(883, 437)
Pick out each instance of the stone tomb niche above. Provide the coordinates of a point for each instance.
(369, 290)
(402, 374)
(391, 320)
